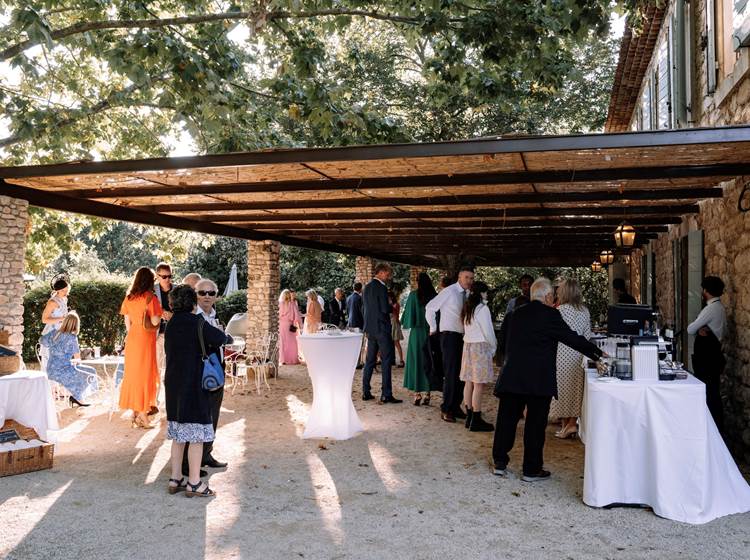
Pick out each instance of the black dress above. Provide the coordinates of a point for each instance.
(188, 404)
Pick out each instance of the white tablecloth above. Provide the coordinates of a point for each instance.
(655, 443)
(331, 361)
(25, 397)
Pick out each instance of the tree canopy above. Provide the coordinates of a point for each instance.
(95, 79)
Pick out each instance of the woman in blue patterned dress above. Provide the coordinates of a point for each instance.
(63, 348)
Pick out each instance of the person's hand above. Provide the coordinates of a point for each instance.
(703, 331)
(167, 315)
(604, 355)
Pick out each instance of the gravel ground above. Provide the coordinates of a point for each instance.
(411, 486)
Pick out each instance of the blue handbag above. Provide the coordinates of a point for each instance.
(213, 373)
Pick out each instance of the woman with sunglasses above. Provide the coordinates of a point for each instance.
(142, 312)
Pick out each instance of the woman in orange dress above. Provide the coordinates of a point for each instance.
(139, 385)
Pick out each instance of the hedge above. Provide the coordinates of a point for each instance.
(98, 304)
(228, 306)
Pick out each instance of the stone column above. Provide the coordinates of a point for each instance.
(14, 215)
(414, 273)
(263, 285)
(364, 269)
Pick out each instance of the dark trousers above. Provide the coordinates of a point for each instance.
(509, 412)
(382, 343)
(708, 366)
(452, 346)
(215, 398)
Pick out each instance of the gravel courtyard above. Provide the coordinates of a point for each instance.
(411, 486)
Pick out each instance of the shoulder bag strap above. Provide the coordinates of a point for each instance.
(201, 322)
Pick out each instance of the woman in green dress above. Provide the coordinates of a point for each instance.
(416, 376)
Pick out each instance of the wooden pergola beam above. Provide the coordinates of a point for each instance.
(622, 212)
(717, 170)
(524, 223)
(694, 193)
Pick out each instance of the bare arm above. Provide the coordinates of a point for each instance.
(127, 323)
(47, 313)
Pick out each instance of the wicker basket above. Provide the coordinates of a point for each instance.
(8, 364)
(25, 460)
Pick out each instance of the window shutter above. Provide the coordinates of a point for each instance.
(710, 49)
(663, 85)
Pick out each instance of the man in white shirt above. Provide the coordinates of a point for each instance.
(708, 358)
(450, 302)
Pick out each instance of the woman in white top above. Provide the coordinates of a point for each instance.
(54, 313)
(57, 305)
(567, 407)
(476, 361)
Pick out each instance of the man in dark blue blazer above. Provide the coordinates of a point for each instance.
(354, 312)
(528, 340)
(377, 327)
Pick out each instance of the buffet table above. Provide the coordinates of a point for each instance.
(25, 397)
(331, 361)
(655, 443)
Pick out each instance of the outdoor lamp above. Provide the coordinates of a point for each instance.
(606, 257)
(625, 235)
(596, 266)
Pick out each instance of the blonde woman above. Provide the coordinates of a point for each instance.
(570, 373)
(62, 345)
(313, 313)
(289, 322)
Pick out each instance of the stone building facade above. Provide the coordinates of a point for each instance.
(13, 219)
(698, 75)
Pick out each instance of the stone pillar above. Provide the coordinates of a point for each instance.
(14, 215)
(263, 285)
(413, 274)
(364, 269)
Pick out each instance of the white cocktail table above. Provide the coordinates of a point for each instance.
(331, 361)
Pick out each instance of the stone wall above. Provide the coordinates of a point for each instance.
(263, 287)
(363, 269)
(13, 219)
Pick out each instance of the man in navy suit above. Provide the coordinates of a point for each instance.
(354, 312)
(377, 327)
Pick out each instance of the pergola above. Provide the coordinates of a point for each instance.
(515, 200)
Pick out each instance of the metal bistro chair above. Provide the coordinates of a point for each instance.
(235, 368)
(260, 359)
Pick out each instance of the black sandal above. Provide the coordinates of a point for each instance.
(193, 490)
(181, 485)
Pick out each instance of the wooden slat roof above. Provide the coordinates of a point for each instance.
(635, 55)
(506, 201)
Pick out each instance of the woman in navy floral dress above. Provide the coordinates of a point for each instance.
(63, 348)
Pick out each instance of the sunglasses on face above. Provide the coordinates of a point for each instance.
(165, 276)
(211, 293)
